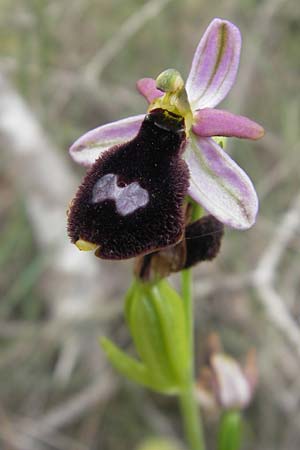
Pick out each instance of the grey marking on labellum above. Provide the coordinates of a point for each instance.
(128, 198)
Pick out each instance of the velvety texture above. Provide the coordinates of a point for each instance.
(203, 240)
(152, 159)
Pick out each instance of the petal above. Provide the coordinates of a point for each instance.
(147, 87)
(87, 149)
(219, 184)
(232, 387)
(215, 122)
(215, 64)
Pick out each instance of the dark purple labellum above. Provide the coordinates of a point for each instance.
(131, 200)
(202, 242)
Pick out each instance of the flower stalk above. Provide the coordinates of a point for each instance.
(189, 408)
(191, 419)
(230, 431)
(187, 296)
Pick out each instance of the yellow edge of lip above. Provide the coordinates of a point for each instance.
(85, 246)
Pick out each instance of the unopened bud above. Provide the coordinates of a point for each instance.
(224, 383)
(156, 319)
(201, 242)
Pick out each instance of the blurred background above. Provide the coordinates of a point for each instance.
(66, 67)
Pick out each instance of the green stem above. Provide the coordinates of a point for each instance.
(230, 432)
(191, 420)
(187, 295)
(189, 408)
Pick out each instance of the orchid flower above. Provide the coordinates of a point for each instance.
(223, 382)
(214, 180)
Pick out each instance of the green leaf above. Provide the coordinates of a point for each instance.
(133, 293)
(230, 431)
(170, 310)
(131, 368)
(149, 340)
(156, 319)
(128, 366)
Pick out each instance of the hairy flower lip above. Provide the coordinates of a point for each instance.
(230, 197)
(130, 201)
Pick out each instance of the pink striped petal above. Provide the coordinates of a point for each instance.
(219, 184)
(215, 122)
(215, 64)
(147, 87)
(92, 144)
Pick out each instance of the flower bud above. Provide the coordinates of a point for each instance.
(201, 242)
(156, 319)
(224, 383)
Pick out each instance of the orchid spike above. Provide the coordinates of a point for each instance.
(215, 181)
